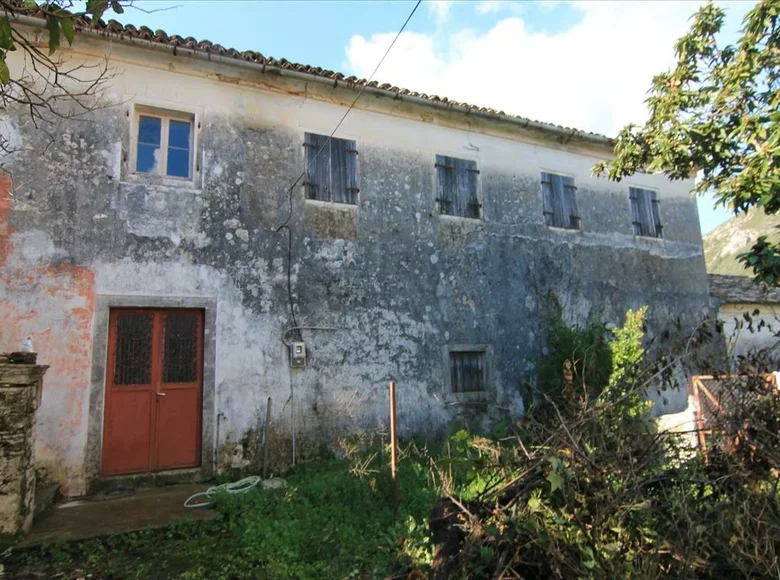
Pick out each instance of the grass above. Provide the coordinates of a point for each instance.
(329, 522)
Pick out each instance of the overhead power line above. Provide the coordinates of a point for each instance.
(360, 93)
(285, 224)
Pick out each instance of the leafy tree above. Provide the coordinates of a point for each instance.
(42, 84)
(717, 112)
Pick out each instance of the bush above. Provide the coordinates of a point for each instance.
(589, 489)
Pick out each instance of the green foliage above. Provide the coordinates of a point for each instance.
(717, 112)
(59, 22)
(328, 523)
(584, 366)
(578, 491)
(763, 258)
(623, 399)
(576, 367)
(592, 492)
(469, 465)
(627, 350)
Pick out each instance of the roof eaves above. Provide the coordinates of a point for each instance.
(205, 48)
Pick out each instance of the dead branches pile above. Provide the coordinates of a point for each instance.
(596, 492)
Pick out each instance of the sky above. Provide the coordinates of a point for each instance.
(584, 64)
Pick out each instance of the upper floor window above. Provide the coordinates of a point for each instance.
(456, 187)
(331, 169)
(645, 214)
(560, 201)
(164, 144)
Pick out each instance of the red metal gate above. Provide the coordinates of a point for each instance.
(154, 381)
(714, 403)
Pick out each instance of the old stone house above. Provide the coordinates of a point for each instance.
(155, 253)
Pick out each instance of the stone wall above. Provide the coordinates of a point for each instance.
(20, 394)
(741, 290)
(396, 282)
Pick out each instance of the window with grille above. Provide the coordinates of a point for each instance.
(180, 347)
(456, 187)
(468, 371)
(645, 212)
(133, 351)
(331, 169)
(560, 201)
(164, 144)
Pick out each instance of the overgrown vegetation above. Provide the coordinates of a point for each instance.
(584, 487)
(597, 492)
(328, 523)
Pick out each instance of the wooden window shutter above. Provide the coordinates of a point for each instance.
(445, 184)
(645, 212)
(351, 160)
(656, 214)
(465, 200)
(634, 195)
(559, 219)
(547, 199)
(318, 163)
(560, 202)
(570, 214)
(338, 171)
(473, 207)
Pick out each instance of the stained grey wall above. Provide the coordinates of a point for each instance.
(397, 281)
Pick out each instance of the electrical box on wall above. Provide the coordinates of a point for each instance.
(298, 355)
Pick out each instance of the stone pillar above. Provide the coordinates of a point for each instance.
(20, 395)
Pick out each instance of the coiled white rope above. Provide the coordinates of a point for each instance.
(241, 486)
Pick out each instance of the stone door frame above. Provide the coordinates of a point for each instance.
(97, 388)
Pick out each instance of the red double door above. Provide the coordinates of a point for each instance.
(154, 380)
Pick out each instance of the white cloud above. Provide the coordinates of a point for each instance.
(488, 6)
(594, 76)
(511, 6)
(440, 8)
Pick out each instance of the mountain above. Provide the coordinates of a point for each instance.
(735, 236)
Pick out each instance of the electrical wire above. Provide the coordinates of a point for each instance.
(286, 223)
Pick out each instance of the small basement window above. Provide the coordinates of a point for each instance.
(164, 144)
(331, 169)
(560, 201)
(456, 187)
(468, 371)
(645, 212)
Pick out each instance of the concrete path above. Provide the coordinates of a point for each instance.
(107, 514)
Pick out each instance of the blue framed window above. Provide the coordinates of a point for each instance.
(164, 145)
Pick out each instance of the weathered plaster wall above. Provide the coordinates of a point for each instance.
(397, 280)
(750, 314)
(43, 294)
(752, 336)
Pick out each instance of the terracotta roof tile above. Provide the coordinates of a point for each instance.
(130, 32)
